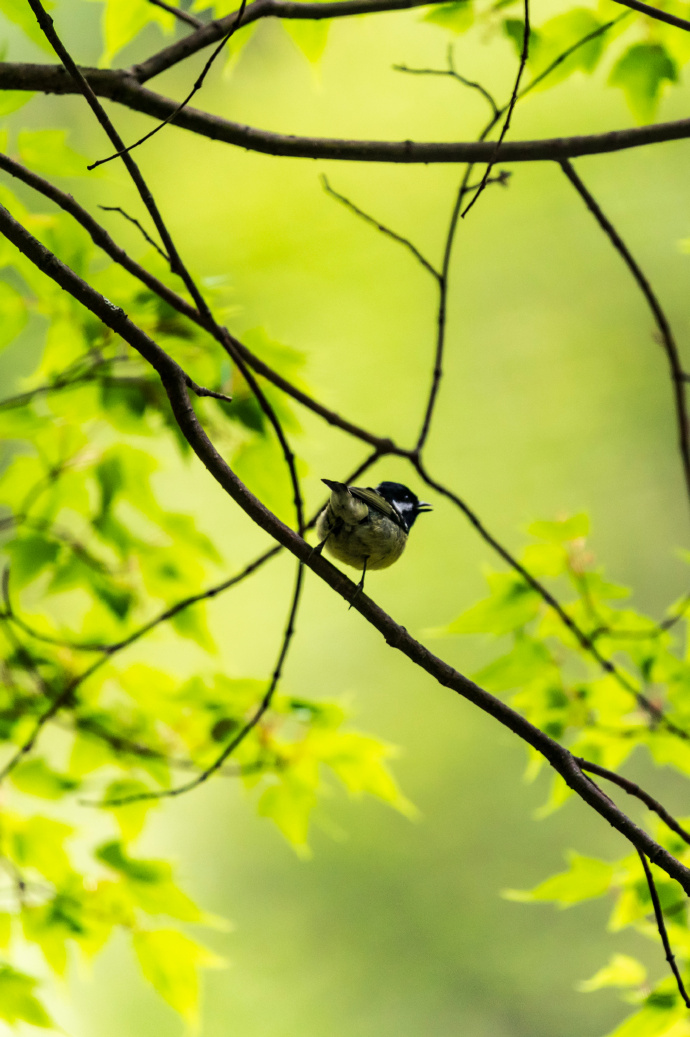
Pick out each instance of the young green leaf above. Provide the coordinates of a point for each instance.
(641, 73)
(171, 962)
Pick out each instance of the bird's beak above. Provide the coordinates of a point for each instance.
(423, 506)
(332, 485)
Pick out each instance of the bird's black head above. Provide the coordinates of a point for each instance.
(406, 503)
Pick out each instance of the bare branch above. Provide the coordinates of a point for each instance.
(198, 83)
(405, 242)
(511, 106)
(634, 790)
(654, 12)
(661, 926)
(122, 88)
(131, 219)
(585, 642)
(450, 71)
(184, 16)
(82, 86)
(240, 736)
(662, 323)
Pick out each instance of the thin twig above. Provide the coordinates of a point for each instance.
(511, 106)
(240, 736)
(405, 242)
(661, 926)
(451, 71)
(654, 712)
(208, 34)
(184, 16)
(176, 265)
(667, 340)
(571, 50)
(144, 233)
(634, 790)
(198, 83)
(654, 12)
(103, 240)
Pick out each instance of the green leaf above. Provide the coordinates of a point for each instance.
(457, 17)
(310, 37)
(359, 762)
(11, 100)
(621, 971)
(47, 152)
(513, 604)
(514, 29)
(29, 555)
(13, 313)
(35, 778)
(17, 1000)
(19, 12)
(585, 879)
(111, 479)
(237, 42)
(38, 842)
(150, 883)
(289, 804)
(170, 962)
(641, 73)
(528, 659)
(124, 19)
(555, 37)
(130, 817)
(656, 1019)
(562, 529)
(191, 623)
(138, 870)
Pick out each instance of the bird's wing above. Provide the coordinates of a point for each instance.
(377, 502)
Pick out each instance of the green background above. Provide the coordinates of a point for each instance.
(556, 399)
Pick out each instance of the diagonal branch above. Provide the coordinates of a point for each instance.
(395, 635)
(184, 16)
(196, 87)
(654, 12)
(661, 926)
(240, 736)
(509, 109)
(634, 789)
(667, 339)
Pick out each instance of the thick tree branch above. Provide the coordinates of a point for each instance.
(124, 89)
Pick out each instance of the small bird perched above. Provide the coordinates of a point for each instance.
(367, 528)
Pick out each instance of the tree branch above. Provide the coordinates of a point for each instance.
(124, 89)
(634, 790)
(662, 323)
(396, 636)
(654, 12)
(214, 31)
(661, 926)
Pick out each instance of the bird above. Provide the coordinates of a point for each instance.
(367, 528)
